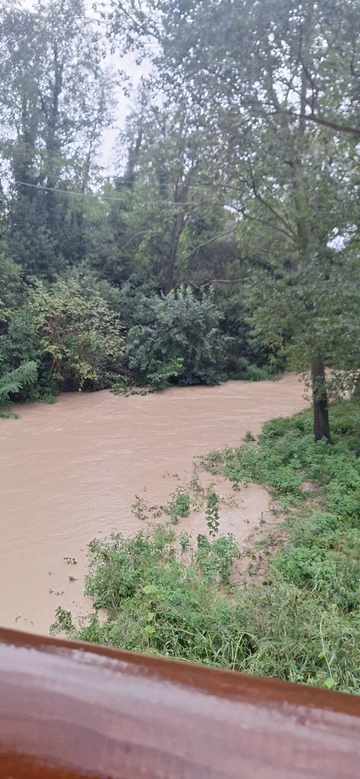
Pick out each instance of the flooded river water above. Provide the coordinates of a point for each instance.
(70, 472)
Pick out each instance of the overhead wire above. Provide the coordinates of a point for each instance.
(99, 196)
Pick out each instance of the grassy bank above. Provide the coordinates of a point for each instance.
(299, 617)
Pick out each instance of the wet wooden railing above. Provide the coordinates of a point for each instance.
(75, 710)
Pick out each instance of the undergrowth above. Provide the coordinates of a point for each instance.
(303, 622)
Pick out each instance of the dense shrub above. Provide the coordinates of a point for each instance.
(69, 331)
(246, 358)
(11, 290)
(177, 338)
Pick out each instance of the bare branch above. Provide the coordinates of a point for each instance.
(211, 282)
(205, 243)
(286, 229)
(268, 224)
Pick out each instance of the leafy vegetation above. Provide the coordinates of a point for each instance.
(297, 619)
(78, 337)
(11, 383)
(177, 336)
(224, 241)
(71, 334)
(179, 505)
(273, 101)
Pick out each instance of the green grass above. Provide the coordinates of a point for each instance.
(302, 621)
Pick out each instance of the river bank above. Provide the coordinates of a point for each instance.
(285, 604)
(70, 472)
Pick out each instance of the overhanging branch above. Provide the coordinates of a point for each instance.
(341, 128)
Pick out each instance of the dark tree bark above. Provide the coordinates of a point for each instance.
(177, 228)
(320, 404)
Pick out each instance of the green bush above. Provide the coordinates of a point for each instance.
(247, 359)
(71, 333)
(177, 339)
(179, 505)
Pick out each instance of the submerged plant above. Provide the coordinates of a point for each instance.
(179, 505)
(212, 512)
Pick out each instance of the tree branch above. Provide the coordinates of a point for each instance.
(211, 282)
(268, 224)
(200, 246)
(341, 128)
(286, 229)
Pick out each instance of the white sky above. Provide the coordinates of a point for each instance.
(124, 105)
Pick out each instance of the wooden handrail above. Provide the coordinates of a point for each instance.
(70, 710)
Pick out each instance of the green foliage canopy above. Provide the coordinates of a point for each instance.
(178, 336)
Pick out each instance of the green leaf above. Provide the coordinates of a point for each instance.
(150, 589)
(149, 629)
(329, 683)
(12, 382)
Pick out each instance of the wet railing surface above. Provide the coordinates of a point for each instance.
(71, 710)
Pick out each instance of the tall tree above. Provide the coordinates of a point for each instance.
(279, 83)
(56, 99)
(166, 220)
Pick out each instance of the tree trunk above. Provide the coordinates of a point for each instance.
(320, 404)
(177, 228)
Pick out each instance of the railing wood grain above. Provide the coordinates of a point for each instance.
(71, 710)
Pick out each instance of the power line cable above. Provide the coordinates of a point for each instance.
(67, 191)
(100, 196)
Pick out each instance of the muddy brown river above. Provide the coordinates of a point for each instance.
(70, 472)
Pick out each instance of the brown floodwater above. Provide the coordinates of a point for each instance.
(70, 472)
